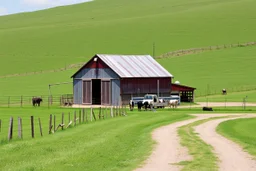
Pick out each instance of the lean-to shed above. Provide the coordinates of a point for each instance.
(114, 79)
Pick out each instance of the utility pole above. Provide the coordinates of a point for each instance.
(154, 49)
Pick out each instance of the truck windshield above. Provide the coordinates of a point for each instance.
(148, 97)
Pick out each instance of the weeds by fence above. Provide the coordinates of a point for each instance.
(203, 49)
(79, 117)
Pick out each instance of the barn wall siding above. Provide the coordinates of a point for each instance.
(101, 73)
(115, 84)
(77, 84)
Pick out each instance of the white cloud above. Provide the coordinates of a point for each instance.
(52, 3)
(3, 11)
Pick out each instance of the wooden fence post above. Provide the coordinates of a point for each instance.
(21, 101)
(9, 98)
(40, 127)
(62, 120)
(116, 111)
(86, 117)
(69, 117)
(83, 115)
(20, 128)
(50, 124)
(75, 118)
(100, 113)
(91, 114)
(80, 116)
(54, 123)
(32, 126)
(111, 111)
(10, 129)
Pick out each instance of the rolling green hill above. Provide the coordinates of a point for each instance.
(61, 36)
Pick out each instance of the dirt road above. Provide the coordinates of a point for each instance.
(231, 156)
(169, 151)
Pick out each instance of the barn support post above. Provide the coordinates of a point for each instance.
(10, 129)
(19, 127)
(40, 127)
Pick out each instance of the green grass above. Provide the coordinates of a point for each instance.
(230, 97)
(120, 143)
(61, 36)
(203, 157)
(241, 131)
(212, 71)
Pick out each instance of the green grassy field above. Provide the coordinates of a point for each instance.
(61, 36)
(230, 97)
(241, 131)
(120, 143)
(212, 71)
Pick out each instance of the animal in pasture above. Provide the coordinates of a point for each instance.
(173, 103)
(36, 101)
(131, 105)
(207, 109)
(224, 91)
(140, 104)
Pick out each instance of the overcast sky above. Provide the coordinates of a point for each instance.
(16, 6)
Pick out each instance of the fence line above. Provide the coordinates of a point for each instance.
(53, 122)
(203, 49)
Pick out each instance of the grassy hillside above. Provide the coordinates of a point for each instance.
(212, 71)
(55, 37)
(61, 36)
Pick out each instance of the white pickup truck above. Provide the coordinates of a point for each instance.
(154, 101)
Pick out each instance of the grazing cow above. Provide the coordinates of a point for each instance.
(224, 91)
(207, 109)
(140, 105)
(36, 101)
(173, 103)
(131, 105)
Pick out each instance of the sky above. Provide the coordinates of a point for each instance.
(17, 6)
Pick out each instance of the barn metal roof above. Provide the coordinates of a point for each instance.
(132, 66)
(129, 66)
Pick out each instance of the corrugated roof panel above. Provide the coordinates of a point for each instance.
(134, 66)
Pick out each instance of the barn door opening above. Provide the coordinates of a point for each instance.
(96, 91)
(105, 92)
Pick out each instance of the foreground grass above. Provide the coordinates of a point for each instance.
(114, 144)
(203, 157)
(241, 131)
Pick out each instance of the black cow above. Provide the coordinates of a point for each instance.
(224, 91)
(207, 109)
(140, 105)
(36, 101)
